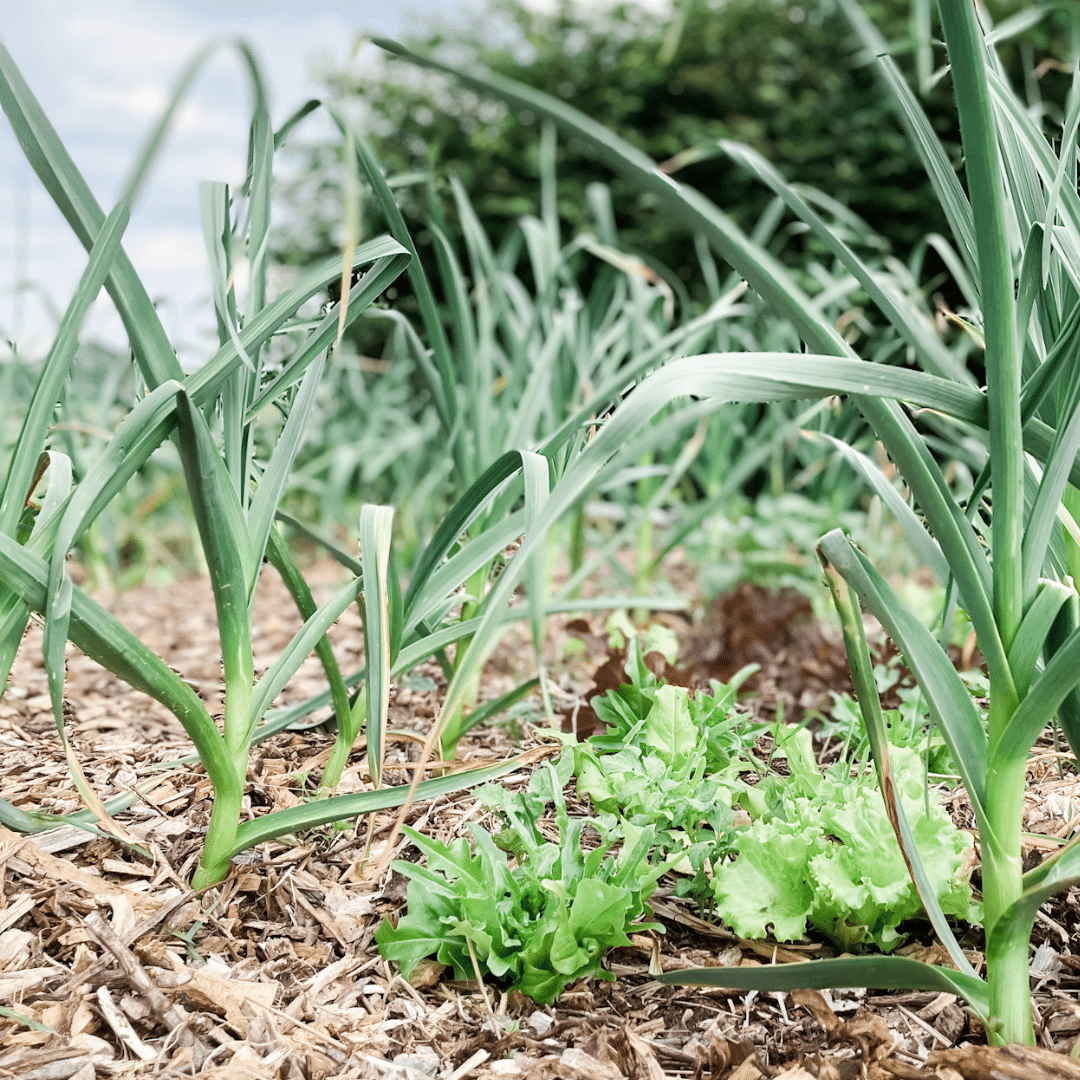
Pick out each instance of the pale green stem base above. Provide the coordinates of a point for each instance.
(1007, 969)
(343, 745)
(220, 836)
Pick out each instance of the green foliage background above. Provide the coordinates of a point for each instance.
(785, 77)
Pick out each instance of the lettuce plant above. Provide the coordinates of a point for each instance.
(820, 850)
(825, 855)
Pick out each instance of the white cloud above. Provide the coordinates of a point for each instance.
(103, 72)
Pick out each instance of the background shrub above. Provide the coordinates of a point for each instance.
(786, 77)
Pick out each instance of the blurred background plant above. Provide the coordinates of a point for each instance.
(525, 252)
(784, 77)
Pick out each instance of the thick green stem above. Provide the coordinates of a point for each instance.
(229, 789)
(1002, 874)
(221, 834)
(1010, 995)
(343, 745)
(239, 676)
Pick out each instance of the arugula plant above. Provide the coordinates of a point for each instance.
(1016, 231)
(536, 920)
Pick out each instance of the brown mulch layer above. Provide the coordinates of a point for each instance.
(110, 966)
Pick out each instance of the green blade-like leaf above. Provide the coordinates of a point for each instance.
(456, 522)
(46, 154)
(967, 54)
(229, 559)
(217, 238)
(385, 270)
(1013, 929)
(275, 477)
(948, 698)
(410, 655)
(1070, 128)
(336, 553)
(258, 182)
(139, 435)
(498, 705)
(375, 536)
(57, 618)
(1058, 866)
(764, 273)
(104, 639)
(910, 324)
(1028, 644)
(921, 135)
(924, 544)
(876, 972)
(534, 469)
(1060, 676)
(59, 489)
(50, 384)
(282, 134)
(300, 647)
(444, 388)
(279, 556)
(1043, 518)
(1058, 363)
(338, 807)
(153, 418)
(862, 675)
(751, 377)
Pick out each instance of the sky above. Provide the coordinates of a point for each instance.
(102, 72)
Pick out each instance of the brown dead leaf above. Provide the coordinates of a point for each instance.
(61, 870)
(228, 996)
(815, 1004)
(1005, 1063)
(748, 1070)
(575, 1064)
(426, 974)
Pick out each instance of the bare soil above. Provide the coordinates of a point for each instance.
(110, 966)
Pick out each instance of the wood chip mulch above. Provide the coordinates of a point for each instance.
(110, 966)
